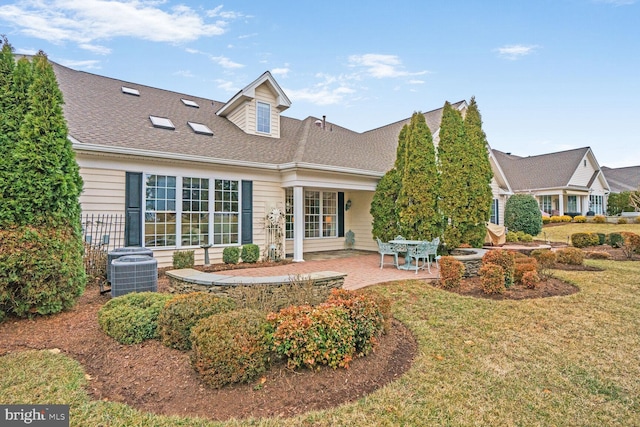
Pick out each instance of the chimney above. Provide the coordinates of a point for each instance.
(324, 122)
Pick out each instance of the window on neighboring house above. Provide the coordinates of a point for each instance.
(288, 218)
(320, 214)
(545, 204)
(226, 212)
(160, 211)
(572, 204)
(495, 212)
(596, 204)
(195, 211)
(263, 117)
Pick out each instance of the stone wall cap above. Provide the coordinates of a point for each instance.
(191, 275)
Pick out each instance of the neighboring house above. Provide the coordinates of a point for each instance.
(622, 179)
(186, 171)
(566, 182)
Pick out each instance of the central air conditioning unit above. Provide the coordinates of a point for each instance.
(120, 252)
(134, 273)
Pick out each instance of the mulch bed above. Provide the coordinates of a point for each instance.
(154, 378)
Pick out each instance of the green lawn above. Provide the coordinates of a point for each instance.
(563, 361)
(560, 233)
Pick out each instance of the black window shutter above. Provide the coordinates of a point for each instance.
(133, 209)
(340, 214)
(247, 212)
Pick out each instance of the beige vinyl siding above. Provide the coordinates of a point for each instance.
(583, 173)
(239, 116)
(264, 94)
(359, 220)
(103, 191)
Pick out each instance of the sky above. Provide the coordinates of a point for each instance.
(548, 75)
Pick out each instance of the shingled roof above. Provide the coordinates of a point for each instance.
(622, 179)
(553, 170)
(99, 115)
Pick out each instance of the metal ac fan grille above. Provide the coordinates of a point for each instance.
(134, 273)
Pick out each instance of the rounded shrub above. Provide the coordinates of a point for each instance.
(230, 347)
(615, 240)
(132, 318)
(512, 237)
(522, 213)
(570, 256)
(504, 259)
(530, 279)
(492, 279)
(182, 312)
(597, 255)
(566, 218)
(365, 315)
(599, 219)
(546, 219)
(41, 269)
(522, 266)
(250, 253)
(579, 218)
(313, 336)
(451, 272)
(582, 240)
(555, 218)
(622, 220)
(546, 261)
(231, 255)
(183, 259)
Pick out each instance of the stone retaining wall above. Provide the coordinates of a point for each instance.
(265, 293)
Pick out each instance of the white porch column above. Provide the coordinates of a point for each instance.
(298, 224)
(561, 203)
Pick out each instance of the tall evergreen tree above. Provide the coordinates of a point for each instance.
(479, 175)
(453, 161)
(417, 205)
(47, 181)
(41, 266)
(383, 206)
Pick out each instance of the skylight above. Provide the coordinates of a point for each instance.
(190, 103)
(200, 128)
(161, 122)
(130, 91)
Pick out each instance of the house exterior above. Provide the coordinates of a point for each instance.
(566, 182)
(184, 171)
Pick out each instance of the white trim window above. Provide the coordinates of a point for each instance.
(572, 204)
(226, 212)
(263, 117)
(195, 211)
(160, 218)
(545, 204)
(495, 212)
(196, 215)
(320, 214)
(288, 214)
(596, 204)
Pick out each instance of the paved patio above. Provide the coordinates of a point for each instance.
(362, 268)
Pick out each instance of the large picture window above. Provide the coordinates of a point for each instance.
(320, 214)
(160, 211)
(226, 212)
(196, 215)
(572, 204)
(263, 117)
(494, 212)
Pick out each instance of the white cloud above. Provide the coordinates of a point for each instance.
(282, 72)
(81, 65)
(320, 95)
(225, 62)
(85, 22)
(381, 66)
(226, 85)
(100, 50)
(416, 82)
(516, 51)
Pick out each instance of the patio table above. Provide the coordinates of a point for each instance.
(408, 243)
